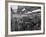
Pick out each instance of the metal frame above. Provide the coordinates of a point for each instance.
(6, 17)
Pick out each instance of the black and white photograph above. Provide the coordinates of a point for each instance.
(25, 18)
